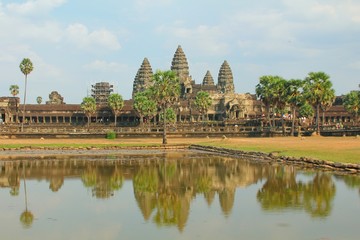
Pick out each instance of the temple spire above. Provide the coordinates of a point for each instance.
(143, 77)
(225, 79)
(208, 79)
(180, 65)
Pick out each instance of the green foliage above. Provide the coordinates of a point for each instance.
(165, 92)
(110, 135)
(203, 101)
(352, 103)
(318, 92)
(145, 105)
(116, 103)
(88, 105)
(14, 90)
(306, 110)
(26, 66)
(170, 115)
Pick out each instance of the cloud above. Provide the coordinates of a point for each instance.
(145, 4)
(207, 39)
(33, 7)
(80, 35)
(105, 66)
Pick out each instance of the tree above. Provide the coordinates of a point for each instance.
(295, 99)
(306, 110)
(165, 91)
(116, 103)
(14, 91)
(39, 100)
(317, 86)
(202, 102)
(327, 101)
(266, 91)
(280, 98)
(144, 105)
(352, 104)
(88, 105)
(170, 115)
(26, 68)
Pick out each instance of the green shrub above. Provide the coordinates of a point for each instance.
(111, 135)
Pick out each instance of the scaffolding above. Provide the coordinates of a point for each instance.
(100, 92)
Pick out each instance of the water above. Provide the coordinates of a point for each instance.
(173, 195)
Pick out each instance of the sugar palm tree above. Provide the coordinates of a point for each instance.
(295, 99)
(327, 101)
(265, 91)
(202, 102)
(116, 103)
(14, 91)
(317, 85)
(26, 68)
(165, 91)
(88, 105)
(352, 104)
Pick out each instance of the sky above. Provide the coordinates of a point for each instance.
(76, 43)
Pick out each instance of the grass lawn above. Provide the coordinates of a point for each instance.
(337, 149)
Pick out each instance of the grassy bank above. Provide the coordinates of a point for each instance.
(336, 149)
(343, 150)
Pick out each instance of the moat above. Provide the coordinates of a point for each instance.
(180, 194)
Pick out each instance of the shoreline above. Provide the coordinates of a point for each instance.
(45, 152)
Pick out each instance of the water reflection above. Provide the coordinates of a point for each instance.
(282, 191)
(165, 184)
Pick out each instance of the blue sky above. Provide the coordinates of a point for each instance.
(75, 43)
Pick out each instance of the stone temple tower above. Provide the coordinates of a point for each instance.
(225, 79)
(180, 65)
(208, 79)
(143, 77)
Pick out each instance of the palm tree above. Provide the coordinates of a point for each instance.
(280, 98)
(39, 100)
(265, 91)
(88, 105)
(317, 85)
(116, 103)
(202, 102)
(14, 91)
(165, 91)
(295, 99)
(327, 102)
(352, 104)
(144, 105)
(26, 68)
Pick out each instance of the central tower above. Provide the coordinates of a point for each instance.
(180, 66)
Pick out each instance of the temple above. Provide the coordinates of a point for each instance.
(227, 105)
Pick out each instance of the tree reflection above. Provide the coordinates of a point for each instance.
(103, 180)
(26, 218)
(282, 191)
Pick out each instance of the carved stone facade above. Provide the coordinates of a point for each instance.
(55, 98)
